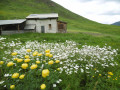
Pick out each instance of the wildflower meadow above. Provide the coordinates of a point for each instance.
(66, 65)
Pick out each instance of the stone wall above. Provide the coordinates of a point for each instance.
(44, 22)
(8, 32)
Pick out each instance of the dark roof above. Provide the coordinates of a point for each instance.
(62, 22)
(6, 22)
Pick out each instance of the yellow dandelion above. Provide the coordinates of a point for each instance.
(39, 54)
(109, 76)
(15, 59)
(12, 86)
(47, 54)
(22, 76)
(47, 51)
(45, 73)
(34, 66)
(37, 61)
(24, 66)
(15, 75)
(100, 75)
(50, 62)
(35, 53)
(57, 61)
(27, 56)
(110, 73)
(27, 60)
(14, 54)
(28, 50)
(10, 64)
(43, 86)
(19, 60)
(1, 62)
(50, 55)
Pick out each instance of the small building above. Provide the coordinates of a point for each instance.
(45, 23)
(41, 23)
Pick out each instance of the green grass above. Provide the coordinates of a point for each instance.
(78, 81)
(79, 37)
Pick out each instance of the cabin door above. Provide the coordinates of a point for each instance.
(42, 29)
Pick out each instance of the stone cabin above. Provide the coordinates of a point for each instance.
(41, 23)
(46, 23)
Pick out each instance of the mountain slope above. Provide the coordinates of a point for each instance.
(116, 23)
(17, 9)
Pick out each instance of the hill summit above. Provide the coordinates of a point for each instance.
(20, 9)
(116, 23)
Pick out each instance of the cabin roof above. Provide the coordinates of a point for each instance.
(17, 21)
(42, 16)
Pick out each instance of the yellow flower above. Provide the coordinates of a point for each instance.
(15, 75)
(27, 60)
(100, 75)
(47, 51)
(22, 76)
(19, 60)
(110, 73)
(57, 61)
(26, 56)
(45, 73)
(50, 62)
(12, 86)
(10, 64)
(34, 66)
(24, 65)
(15, 59)
(50, 55)
(37, 62)
(40, 54)
(35, 53)
(1, 62)
(43, 86)
(95, 69)
(14, 53)
(47, 54)
(28, 50)
(93, 76)
(109, 76)
(58, 69)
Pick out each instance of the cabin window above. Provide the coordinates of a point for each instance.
(50, 26)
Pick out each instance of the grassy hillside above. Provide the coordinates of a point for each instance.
(17, 9)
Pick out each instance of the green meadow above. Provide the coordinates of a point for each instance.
(107, 78)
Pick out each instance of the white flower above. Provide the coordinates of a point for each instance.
(54, 85)
(7, 75)
(1, 82)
